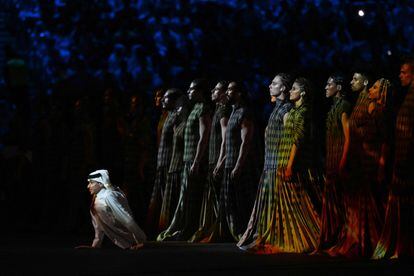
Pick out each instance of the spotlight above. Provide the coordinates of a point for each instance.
(389, 52)
(361, 13)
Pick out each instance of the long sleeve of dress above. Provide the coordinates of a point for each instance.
(299, 127)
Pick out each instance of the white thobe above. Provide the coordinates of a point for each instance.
(111, 216)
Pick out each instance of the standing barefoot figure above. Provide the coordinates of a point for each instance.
(397, 239)
(337, 146)
(261, 228)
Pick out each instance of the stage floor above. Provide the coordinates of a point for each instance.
(23, 254)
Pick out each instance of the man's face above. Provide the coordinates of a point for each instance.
(158, 98)
(193, 92)
(167, 103)
(217, 92)
(276, 87)
(406, 75)
(94, 187)
(331, 88)
(358, 82)
(231, 92)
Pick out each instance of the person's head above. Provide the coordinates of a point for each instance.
(134, 102)
(334, 86)
(359, 82)
(379, 90)
(81, 106)
(78, 104)
(407, 72)
(218, 94)
(236, 93)
(109, 96)
(182, 104)
(94, 187)
(280, 86)
(158, 95)
(300, 91)
(170, 98)
(197, 92)
(98, 180)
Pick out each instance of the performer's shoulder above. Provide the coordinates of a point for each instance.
(115, 194)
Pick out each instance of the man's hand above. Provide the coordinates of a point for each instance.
(381, 170)
(288, 173)
(217, 170)
(235, 173)
(194, 168)
(137, 246)
(342, 165)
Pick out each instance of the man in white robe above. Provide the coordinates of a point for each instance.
(111, 215)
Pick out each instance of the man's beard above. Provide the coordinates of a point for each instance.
(230, 99)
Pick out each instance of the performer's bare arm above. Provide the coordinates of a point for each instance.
(246, 134)
(222, 156)
(204, 131)
(345, 128)
(99, 235)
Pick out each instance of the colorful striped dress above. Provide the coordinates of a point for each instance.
(396, 239)
(363, 222)
(333, 211)
(297, 224)
(260, 229)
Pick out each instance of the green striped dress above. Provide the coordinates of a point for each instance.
(185, 221)
(297, 224)
(260, 229)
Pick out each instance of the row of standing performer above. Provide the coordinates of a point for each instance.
(208, 189)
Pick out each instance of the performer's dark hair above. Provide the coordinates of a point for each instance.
(287, 81)
(338, 79)
(224, 83)
(408, 60)
(174, 93)
(159, 91)
(184, 102)
(202, 84)
(242, 90)
(365, 70)
(305, 85)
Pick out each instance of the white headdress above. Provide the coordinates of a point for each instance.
(101, 176)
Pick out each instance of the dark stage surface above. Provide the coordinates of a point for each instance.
(40, 255)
